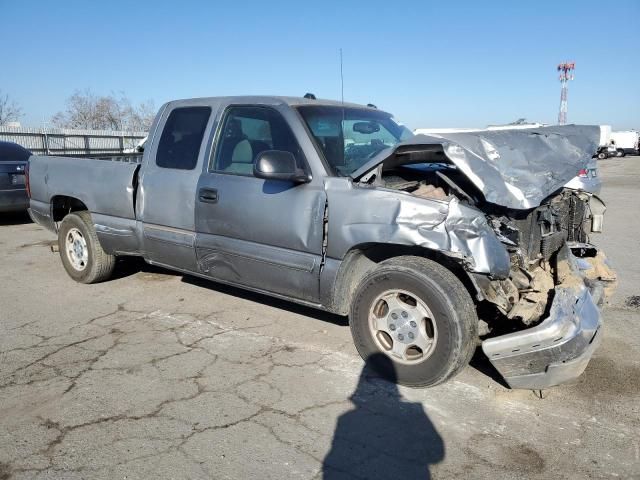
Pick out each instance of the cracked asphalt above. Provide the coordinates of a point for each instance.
(158, 375)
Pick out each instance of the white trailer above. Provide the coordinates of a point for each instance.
(605, 135)
(625, 142)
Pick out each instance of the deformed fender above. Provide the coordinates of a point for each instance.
(471, 235)
(361, 215)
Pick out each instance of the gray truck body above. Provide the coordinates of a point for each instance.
(311, 242)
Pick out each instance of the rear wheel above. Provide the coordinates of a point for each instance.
(420, 316)
(621, 153)
(80, 251)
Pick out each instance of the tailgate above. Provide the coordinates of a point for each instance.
(12, 175)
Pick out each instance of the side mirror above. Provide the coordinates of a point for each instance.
(279, 165)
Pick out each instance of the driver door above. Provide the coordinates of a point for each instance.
(262, 234)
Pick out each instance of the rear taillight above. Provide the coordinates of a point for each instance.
(26, 179)
(583, 173)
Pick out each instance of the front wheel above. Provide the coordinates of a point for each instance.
(418, 315)
(80, 251)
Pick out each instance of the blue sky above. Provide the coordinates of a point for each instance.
(432, 64)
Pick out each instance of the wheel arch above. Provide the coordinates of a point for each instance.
(62, 205)
(362, 259)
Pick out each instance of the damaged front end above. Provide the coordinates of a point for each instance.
(551, 298)
(533, 239)
(558, 348)
(544, 320)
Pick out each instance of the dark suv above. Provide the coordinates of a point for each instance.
(13, 162)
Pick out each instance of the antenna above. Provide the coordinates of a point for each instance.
(341, 79)
(342, 100)
(566, 73)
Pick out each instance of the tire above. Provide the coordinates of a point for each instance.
(602, 156)
(621, 153)
(93, 265)
(454, 322)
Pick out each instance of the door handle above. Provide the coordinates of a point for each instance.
(208, 195)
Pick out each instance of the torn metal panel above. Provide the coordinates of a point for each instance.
(471, 235)
(513, 168)
(359, 215)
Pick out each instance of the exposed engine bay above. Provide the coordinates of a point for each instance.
(532, 237)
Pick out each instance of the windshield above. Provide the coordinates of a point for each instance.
(349, 137)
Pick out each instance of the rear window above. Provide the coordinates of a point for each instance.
(12, 152)
(181, 138)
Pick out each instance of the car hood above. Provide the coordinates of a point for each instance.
(513, 168)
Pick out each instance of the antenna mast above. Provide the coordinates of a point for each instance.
(566, 73)
(341, 79)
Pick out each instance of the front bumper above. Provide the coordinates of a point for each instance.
(14, 200)
(559, 348)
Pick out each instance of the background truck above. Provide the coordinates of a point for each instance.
(626, 142)
(338, 207)
(617, 144)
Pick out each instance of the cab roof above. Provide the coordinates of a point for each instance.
(270, 100)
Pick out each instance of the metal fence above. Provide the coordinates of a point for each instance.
(62, 141)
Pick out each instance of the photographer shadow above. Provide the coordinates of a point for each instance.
(383, 436)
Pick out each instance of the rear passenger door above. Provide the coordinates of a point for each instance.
(264, 234)
(168, 184)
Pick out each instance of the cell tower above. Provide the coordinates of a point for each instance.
(566, 73)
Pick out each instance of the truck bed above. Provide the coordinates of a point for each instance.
(105, 184)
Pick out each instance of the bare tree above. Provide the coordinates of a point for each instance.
(85, 110)
(10, 111)
(142, 117)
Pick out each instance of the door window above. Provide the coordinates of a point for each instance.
(181, 138)
(248, 131)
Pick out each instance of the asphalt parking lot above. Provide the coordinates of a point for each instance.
(158, 375)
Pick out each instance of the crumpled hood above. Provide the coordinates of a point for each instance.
(513, 168)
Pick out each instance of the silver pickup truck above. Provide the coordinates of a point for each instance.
(431, 245)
